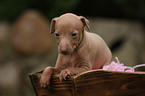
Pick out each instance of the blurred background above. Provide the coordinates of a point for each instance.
(26, 46)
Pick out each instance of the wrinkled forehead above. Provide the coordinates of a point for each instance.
(68, 24)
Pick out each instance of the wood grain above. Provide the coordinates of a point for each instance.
(56, 88)
(93, 83)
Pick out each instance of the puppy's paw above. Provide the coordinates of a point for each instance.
(64, 73)
(44, 81)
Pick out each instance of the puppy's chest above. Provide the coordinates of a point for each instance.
(69, 61)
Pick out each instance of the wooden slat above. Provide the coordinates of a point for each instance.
(110, 84)
(56, 88)
(93, 83)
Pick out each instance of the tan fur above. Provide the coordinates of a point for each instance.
(85, 52)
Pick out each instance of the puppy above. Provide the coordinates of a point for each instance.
(79, 50)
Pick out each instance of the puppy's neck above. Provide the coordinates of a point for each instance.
(81, 42)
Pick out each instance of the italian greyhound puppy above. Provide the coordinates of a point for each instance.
(79, 50)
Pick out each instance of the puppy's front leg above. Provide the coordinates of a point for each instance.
(46, 75)
(72, 71)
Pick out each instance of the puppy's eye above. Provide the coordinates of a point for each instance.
(57, 34)
(74, 35)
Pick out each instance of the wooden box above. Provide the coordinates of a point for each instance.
(93, 83)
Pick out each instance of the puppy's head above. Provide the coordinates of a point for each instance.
(68, 30)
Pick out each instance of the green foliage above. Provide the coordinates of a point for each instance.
(131, 9)
(11, 9)
(63, 6)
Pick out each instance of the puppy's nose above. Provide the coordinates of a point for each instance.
(64, 51)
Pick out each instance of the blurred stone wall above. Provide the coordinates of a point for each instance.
(125, 38)
(26, 46)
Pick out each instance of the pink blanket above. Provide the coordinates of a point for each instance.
(113, 66)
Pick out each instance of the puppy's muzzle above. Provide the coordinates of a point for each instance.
(65, 49)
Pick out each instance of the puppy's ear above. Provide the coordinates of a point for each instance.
(85, 22)
(52, 26)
